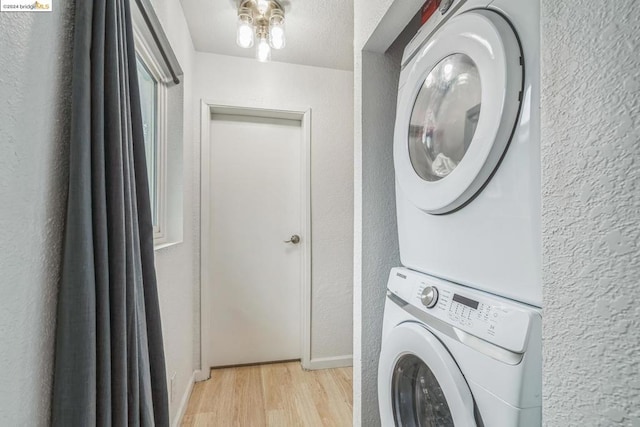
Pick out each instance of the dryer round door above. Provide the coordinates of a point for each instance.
(419, 383)
(457, 110)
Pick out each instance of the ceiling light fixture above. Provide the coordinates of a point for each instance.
(262, 20)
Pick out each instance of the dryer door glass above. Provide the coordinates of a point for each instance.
(444, 117)
(458, 106)
(418, 399)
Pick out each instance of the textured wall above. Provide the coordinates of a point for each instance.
(34, 107)
(232, 80)
(379, 230)
(375, 231)
(591, 212)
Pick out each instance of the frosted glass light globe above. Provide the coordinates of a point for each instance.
(277, 36)
(245, 35)
(263, 52)
(263, 5)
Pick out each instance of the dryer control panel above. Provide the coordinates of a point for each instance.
(500, 321)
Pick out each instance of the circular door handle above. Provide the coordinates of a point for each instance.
(295, 239)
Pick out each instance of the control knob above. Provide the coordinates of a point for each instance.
(429, 296)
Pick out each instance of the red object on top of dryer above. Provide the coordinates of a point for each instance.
(429, 7)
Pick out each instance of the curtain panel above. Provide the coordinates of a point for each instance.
(109, 357)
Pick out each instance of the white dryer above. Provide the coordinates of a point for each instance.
(455, 356)
(467, 148)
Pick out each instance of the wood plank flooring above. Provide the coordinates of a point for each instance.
(274, 395)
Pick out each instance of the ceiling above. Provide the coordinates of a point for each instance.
(319, 32)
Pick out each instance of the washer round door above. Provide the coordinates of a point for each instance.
(419, 383)
(457, 110)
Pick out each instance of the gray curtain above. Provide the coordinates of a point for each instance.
(109, 360)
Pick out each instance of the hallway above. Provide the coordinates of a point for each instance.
(279, 394)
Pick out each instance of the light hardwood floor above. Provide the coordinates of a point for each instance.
(277, 395)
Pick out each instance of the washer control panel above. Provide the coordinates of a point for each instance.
(498, 320)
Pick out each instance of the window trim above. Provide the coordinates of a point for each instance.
(143, 42)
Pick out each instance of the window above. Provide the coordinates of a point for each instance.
(161, 102)
(153, 105)
(153, 141)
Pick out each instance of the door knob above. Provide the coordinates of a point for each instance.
(295, 239)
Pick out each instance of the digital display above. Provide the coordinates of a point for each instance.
(466, 301)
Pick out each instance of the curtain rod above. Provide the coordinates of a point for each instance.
(161, 39)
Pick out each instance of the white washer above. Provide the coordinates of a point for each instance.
(467, 148)
(472, 359)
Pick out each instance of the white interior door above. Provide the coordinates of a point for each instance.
(255, 206)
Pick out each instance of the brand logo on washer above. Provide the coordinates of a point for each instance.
(402, 276)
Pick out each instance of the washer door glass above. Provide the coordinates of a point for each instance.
(418, 399)
(444, 117)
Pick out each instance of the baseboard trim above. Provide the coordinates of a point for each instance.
(201, 375)
(177, 421)
(330, 362)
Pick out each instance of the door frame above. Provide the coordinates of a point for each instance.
(207, 108)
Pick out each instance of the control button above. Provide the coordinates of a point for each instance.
(429, 296)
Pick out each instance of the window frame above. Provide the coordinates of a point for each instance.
(149, 57)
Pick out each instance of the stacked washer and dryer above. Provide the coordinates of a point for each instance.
(461, 342)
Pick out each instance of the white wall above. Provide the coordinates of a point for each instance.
(377, 25)
(379, 238)
(591, 212)
(35, 59)
(241, 81)
(178, 266)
